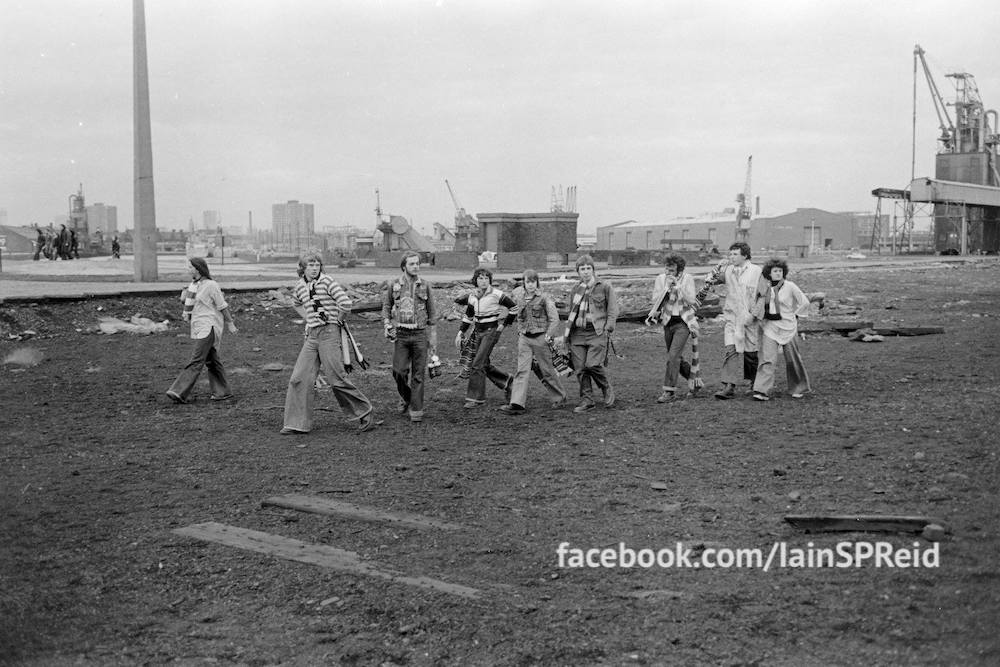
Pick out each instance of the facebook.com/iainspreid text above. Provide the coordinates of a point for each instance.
(780, 555)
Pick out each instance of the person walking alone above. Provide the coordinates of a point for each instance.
(207, 311)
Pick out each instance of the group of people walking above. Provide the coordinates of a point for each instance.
(51, 244)
(64, 244)
(760, 312)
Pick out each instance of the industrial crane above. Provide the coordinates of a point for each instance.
(940, 108)
(466, 226)
(744, 209)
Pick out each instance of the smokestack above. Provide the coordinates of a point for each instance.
(145, 211)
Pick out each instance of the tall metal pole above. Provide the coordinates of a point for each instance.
(144, 213)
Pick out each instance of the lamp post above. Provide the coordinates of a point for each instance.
(222, 245)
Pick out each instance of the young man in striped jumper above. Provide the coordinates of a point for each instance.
(323, 304)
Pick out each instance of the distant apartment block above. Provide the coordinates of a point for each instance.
(211, 220)
(102, 218)
(293, 224)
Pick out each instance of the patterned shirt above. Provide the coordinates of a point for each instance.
(410, 303)
(324, 300)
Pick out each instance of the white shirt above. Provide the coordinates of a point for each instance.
(792, 303)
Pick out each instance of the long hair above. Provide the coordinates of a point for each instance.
(201, 266)
(309, 256)
(772, 263)
(677, 261)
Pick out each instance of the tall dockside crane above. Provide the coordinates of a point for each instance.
(744, 209)
(466, 226)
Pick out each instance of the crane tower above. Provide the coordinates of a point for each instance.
(466, 226)
(744, 207)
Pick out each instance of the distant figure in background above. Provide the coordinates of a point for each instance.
(482, 319)
(50, 251)
(63, 242)
(39, 244)
(206, 309)
(74, 245)
(116, 248)
(784, 302)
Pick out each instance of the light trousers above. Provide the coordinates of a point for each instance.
(795, 371)
(321, 346)
(535, 348)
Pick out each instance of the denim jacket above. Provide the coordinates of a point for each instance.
(603, 306)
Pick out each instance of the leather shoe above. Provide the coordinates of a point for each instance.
(291, 431)
(729, 391)
(175, 397)
(512, 409)
(367, 422)
(585, 406)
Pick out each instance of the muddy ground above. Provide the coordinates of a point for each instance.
(97, 468)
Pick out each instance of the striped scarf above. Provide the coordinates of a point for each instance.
(188, 297)
(581, 302)
(691, 320)
(716, 277)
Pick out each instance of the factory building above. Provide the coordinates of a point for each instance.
(810, 228)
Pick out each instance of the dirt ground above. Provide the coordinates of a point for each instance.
(97, 468)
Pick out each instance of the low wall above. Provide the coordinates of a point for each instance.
(456, 260)
(519, 261)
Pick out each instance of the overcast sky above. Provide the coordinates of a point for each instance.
(649, 108)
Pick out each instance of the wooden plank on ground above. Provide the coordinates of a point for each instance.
(860, 523)
(332, 507)
(908, 331)
(822, 326)
(314, 554)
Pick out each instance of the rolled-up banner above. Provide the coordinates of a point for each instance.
(345, 348)
(355, 349)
